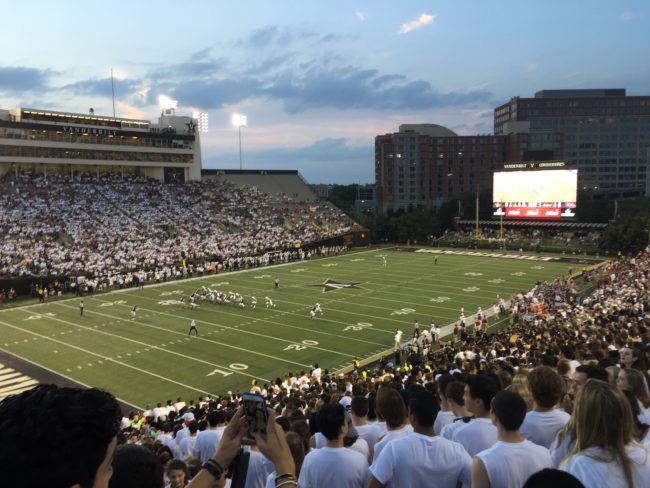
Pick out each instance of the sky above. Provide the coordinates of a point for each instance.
(317, 80)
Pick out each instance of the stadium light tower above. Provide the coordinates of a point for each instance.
(239, 120)
(167, 105)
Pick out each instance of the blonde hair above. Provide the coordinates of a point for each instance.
(603, 419)
(638, 386)
(521, 389)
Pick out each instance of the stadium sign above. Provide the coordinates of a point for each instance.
(88, 130)
(534, 165)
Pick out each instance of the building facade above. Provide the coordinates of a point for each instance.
(604, 133)
(427, 164)
(43, 141)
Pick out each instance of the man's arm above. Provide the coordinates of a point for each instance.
(480, 478)
(374, 482)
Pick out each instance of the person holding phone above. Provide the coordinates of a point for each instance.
(272, 444)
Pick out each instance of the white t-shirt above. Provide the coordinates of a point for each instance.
(206, 444)
(380, 426)
(560, 451)
(259, 469)
(443, 418)
(333, 467)
(593, 473)
(449, 429)
(361, 447)
(389, 436)
(417, 460)
(541, 427)
(476, 436)
(510, 464)
(369, 433)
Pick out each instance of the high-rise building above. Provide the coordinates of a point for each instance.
(604, 133)
(426, 164)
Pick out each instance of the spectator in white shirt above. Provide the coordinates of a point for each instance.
(455, 397)
(333, 465)
(479, 433)
(207, 440)
(422, 458)
(391, 408)
(605, 452)
(543, 423)
(366, 431)
(445, 415)
(512, 459)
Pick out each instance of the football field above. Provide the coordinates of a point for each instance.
(152, 359)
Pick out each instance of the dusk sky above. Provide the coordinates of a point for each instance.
(317, 80)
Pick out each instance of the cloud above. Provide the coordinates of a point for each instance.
(102, 87)
(22, 79)
(628, 16)
(271, 36)
(325, 161)
(299, 79)
(422, 20)
(350, 87)
(360, 15)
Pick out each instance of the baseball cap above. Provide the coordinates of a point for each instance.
(346, 401)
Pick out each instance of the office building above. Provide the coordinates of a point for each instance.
(427, 164)
(602, 132)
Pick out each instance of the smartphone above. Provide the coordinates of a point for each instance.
(255, 412)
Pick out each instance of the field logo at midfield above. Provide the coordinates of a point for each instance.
(331, 285)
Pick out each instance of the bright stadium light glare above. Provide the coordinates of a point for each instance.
(202, 119)
(167, 103)
(239, 121)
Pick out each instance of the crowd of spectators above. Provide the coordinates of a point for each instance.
(114, 225)
(573, 240)
(559, 401)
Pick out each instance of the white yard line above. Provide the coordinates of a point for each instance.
(185, 318)
(105, 358)
(142, 324)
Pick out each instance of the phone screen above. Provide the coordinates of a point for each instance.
(255, 412)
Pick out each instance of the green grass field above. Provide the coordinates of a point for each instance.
(151, 358)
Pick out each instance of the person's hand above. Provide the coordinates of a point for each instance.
(274, 446)
(231, 440)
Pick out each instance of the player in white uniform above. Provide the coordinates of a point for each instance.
(193, 328)
(253, 301)
(317, 308)
(269, 303)
(384, 262)
(398, 340)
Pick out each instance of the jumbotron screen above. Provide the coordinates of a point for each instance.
(540, 194)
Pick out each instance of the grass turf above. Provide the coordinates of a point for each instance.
(151, 358)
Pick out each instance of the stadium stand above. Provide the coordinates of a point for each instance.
(114, 226)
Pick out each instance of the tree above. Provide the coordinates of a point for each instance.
(628, 235)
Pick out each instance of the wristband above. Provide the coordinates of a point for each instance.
(286, 482)
(214, 468)
(285, 476)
